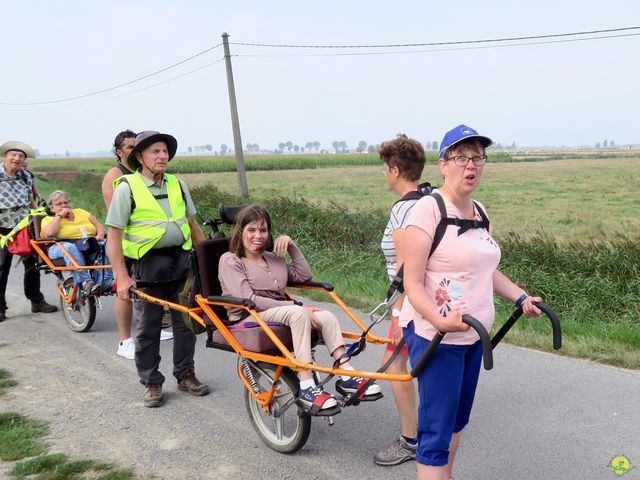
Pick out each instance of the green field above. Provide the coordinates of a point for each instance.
(569, 230)
(572, 199)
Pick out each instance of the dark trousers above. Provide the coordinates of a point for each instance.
(148, 326)
(31, 275)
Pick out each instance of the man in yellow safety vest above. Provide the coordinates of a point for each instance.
(152, 230)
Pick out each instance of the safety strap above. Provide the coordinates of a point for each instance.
(318, 402)
(363, 386)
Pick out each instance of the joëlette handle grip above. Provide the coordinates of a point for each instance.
(487, 352)
(485, 340)
(547, 310)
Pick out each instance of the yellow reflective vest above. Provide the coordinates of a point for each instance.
(148, 221)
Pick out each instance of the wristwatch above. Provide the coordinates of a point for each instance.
(395, 312)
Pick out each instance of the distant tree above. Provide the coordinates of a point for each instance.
(336, 145)
(316, 145)
(190, 149)
(513, 145)
(605, 144)
(37, 152)
(435, 145)
(371, 149)
(296, 148)
(612, 144)
(209, 147)
(66, 154)
(281, 146)
(499, 146)
(362, 145)
(302, 149)
(308, 145)
(597, 144)
(289, 145)
(223, 148)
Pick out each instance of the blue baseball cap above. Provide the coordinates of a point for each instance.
(459, 133)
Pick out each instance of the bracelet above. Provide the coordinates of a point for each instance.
(521, 300)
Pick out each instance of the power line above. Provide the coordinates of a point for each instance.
(396, 52)
(116, 86)
(122, 94)
(434, 44)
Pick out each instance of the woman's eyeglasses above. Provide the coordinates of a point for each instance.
(463, 160)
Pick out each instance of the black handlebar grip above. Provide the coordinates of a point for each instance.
(547, 310)
(555, 323)
(487, 352)
(485, 339)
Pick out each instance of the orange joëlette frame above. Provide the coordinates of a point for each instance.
(287, 359)
(39, 247)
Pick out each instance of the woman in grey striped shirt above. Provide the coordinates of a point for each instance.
(403, 161)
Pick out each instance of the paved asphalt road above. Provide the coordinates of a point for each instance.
(536, 416)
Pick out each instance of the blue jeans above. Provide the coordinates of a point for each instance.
(103, 277)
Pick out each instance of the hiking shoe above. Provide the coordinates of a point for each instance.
(153, 396)
(166, 319)
(43, 307)
(353, 383)
(87, 287)
(166, 334)
(316, 399)
(396, 453)
(127, 349)
(189, 383)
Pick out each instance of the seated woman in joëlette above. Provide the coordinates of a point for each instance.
(77, 231)
(250, 270)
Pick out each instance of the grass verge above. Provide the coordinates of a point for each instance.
(21, 437)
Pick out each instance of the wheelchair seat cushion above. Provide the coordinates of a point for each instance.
(254, 339)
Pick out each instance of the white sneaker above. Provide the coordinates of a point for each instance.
(166, 334)
(127, 349)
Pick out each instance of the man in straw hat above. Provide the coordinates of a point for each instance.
(152, 229)
(16, 190)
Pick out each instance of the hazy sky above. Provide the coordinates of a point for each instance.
(573, 93)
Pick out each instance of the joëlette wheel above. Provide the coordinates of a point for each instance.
(81, 314)
(288, 432)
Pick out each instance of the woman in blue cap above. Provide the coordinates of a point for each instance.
(459, 276)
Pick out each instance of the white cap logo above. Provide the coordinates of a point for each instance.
(467, 131)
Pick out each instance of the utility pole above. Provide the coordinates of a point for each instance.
(235, 122)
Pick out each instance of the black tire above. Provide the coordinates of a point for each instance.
(80, 315)
(289, 432)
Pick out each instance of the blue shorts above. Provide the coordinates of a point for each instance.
(446, 388)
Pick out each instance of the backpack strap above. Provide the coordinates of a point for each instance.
(465, 224)
(441, 228)
(123, 169)
(422, 190)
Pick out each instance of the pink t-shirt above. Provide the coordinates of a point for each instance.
(460, 272)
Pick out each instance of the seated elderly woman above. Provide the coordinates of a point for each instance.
(75, 228)
(250, 270)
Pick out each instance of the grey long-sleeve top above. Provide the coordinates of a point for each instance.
(266, 287)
